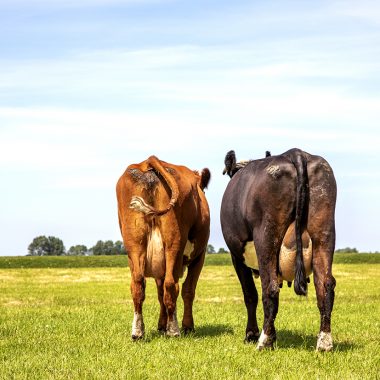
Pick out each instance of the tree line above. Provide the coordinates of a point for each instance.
(53, 246)
(211, 249)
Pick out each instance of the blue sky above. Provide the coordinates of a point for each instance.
(88, 87)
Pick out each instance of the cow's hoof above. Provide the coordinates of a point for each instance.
(161, 326)
(138, 334)
(137, 337)
(266, 342)
(251, 337)
(324, 342)
(172, 328)
(188, 330)
(173, 333)
(138, 328)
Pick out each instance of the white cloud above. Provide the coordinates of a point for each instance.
(368, 10)
(267, 99)
(166, 65)
(87, 144)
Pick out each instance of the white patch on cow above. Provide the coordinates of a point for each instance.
(155, 255)
(324, 342)
(172, 328)
(138, 204)
(138, 328)
(273, 170)
(189, 248)
(263, 341)
(250, 256)
(287, 261)
(242, 163)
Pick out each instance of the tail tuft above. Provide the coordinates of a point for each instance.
(300, 282)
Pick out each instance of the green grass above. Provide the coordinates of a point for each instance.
(122, 261)
(87, 261)
(64, 262)
(74, 323)
(357, 258)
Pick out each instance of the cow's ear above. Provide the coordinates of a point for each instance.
(205, 178)
(230, 163)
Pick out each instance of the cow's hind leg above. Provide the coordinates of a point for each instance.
(188, 292)
(321, 228)
(171, 291)
(138, 296)
(324, 283)
(267, 256)
(250, 298)
(163, 318)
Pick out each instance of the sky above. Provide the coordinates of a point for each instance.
(88, 87)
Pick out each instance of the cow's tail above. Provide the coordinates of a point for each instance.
(300, 163)
(139, 204)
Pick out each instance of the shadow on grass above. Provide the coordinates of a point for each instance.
(200, 332)
(213, 330)
(292, 339)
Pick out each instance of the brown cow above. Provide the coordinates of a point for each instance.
(165, 223)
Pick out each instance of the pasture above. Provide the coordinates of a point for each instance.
(70, 318)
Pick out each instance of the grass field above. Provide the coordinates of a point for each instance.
(62, 319)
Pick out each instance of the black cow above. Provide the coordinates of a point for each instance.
(278, 220)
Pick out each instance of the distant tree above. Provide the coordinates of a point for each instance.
(77, 250)
(108, 247)
(98, 248)
(46, 246)
(210, 249)
(222, 250)
(347, 250)
(119, 248)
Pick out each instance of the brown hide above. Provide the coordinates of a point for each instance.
(163, 210)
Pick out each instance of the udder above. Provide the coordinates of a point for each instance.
(287, 258)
